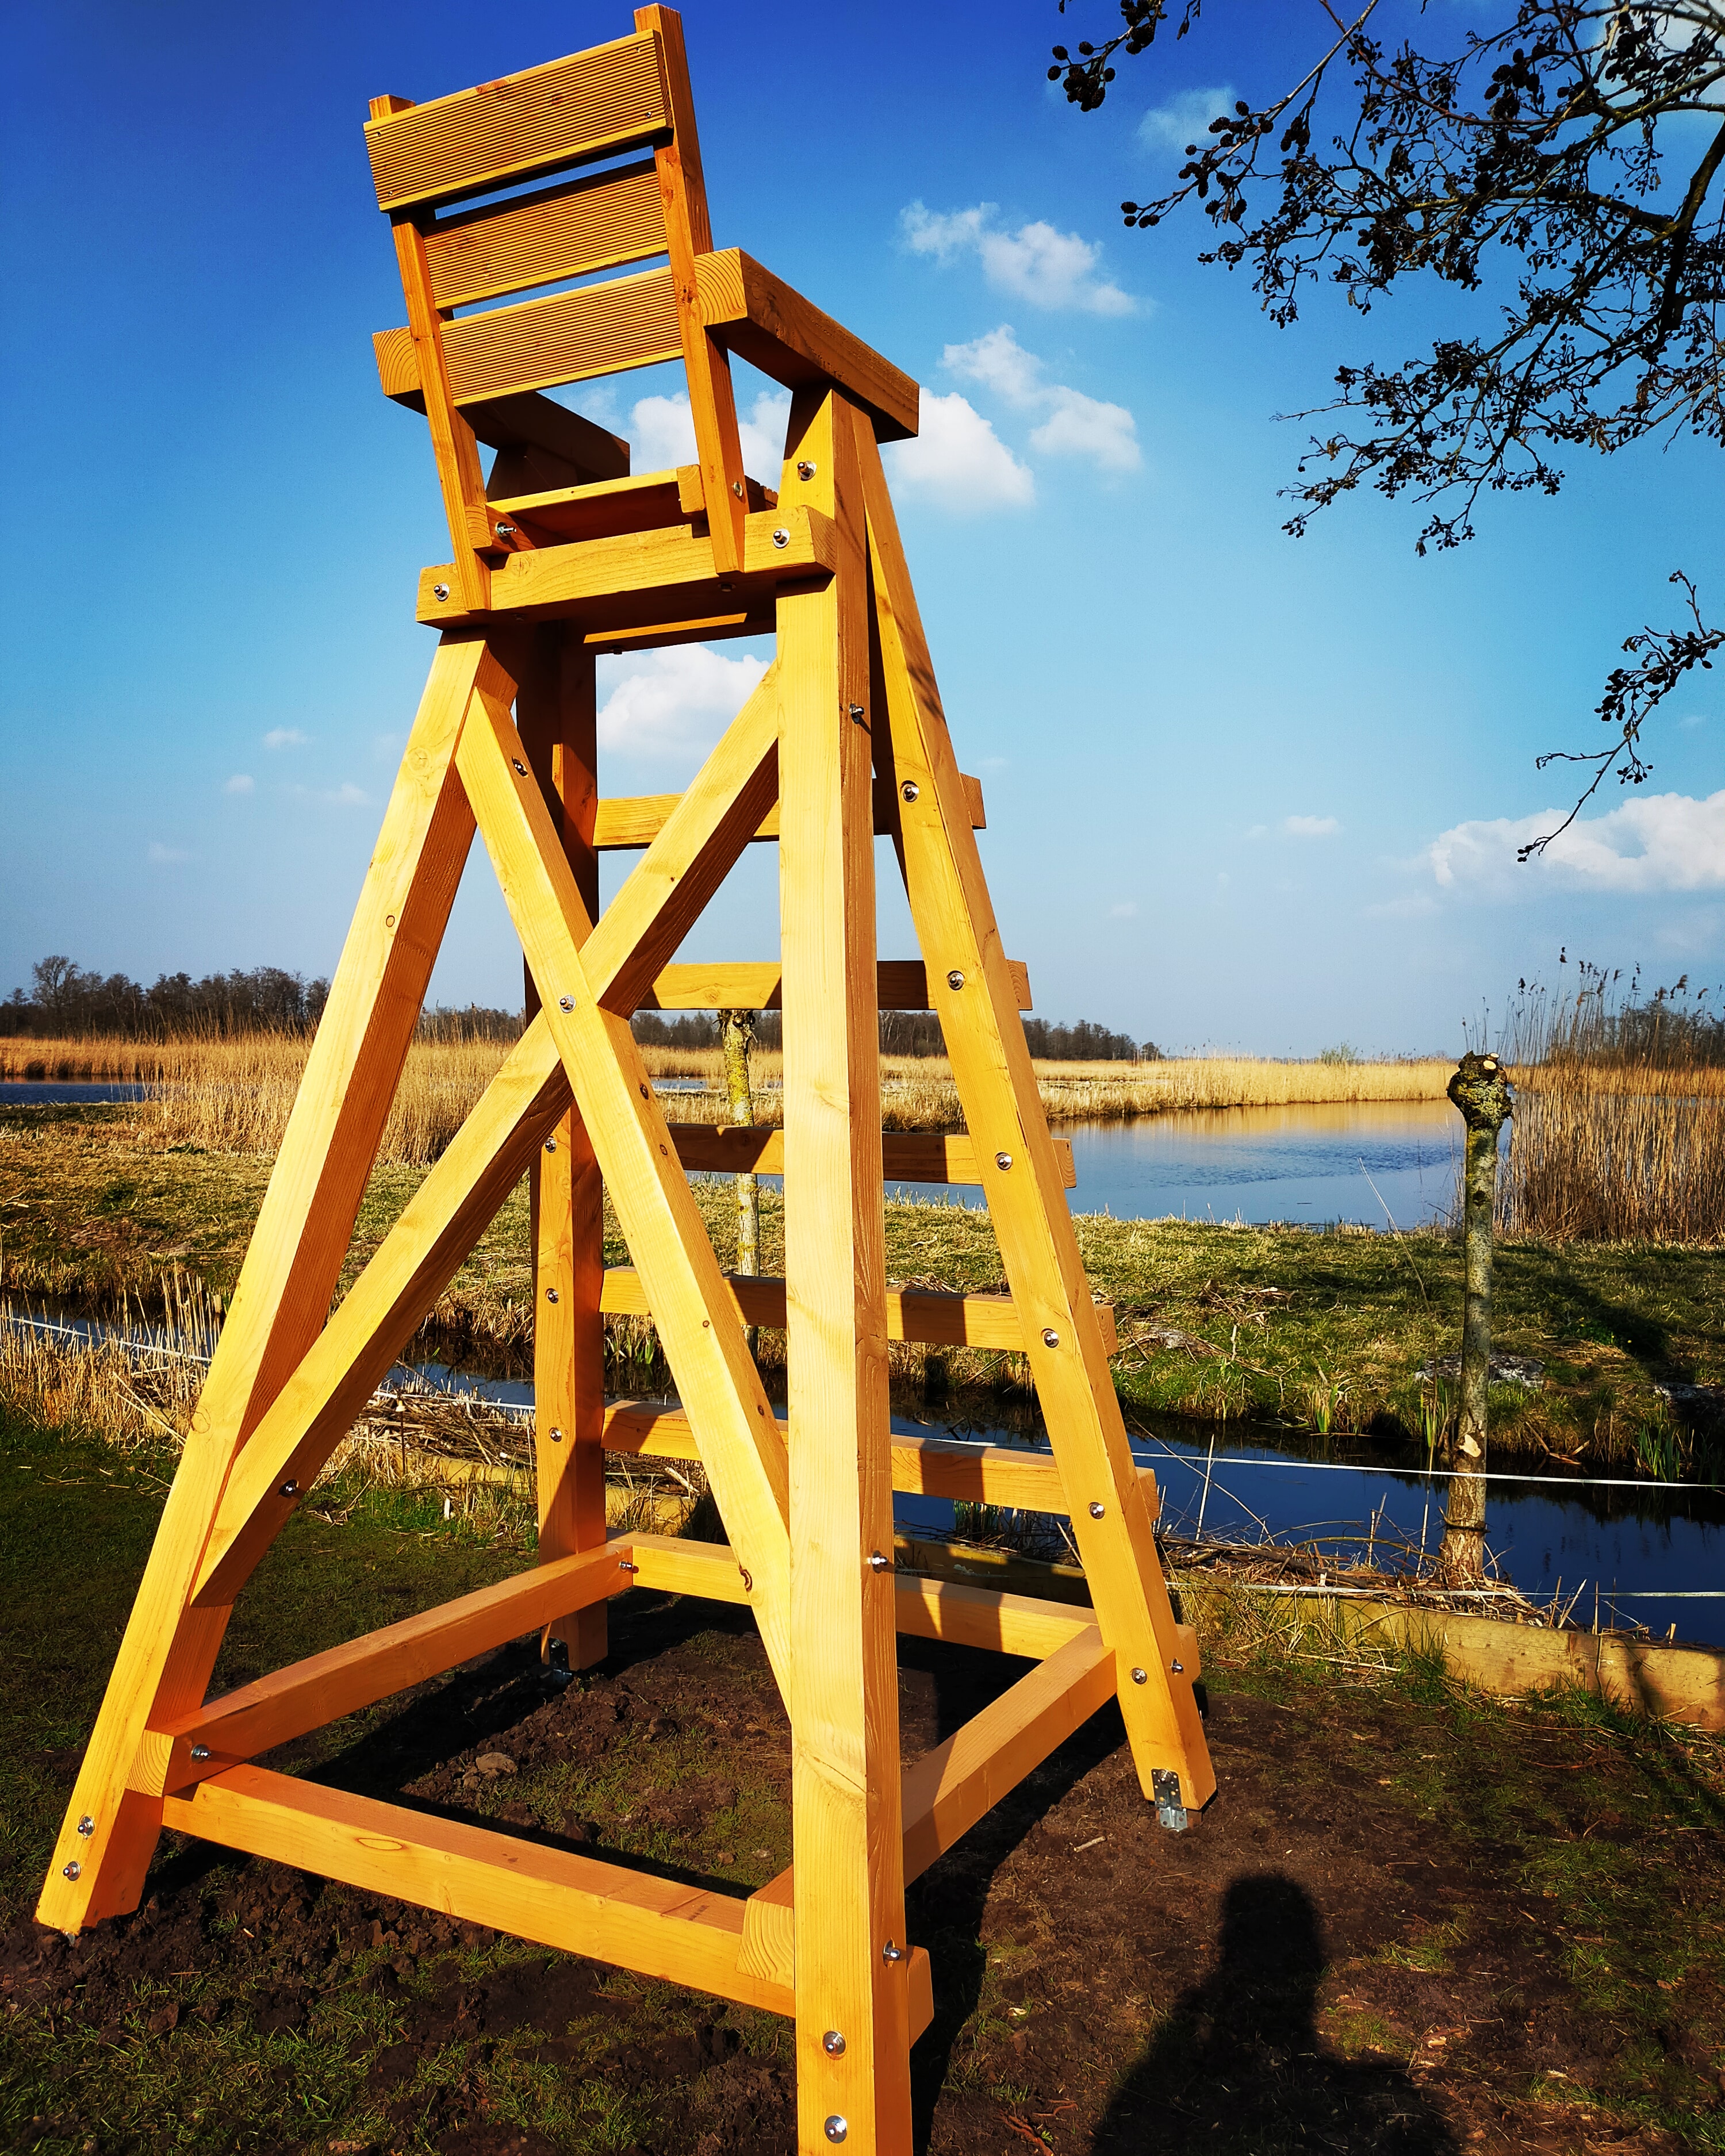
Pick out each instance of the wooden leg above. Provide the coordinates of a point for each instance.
(558, 713)
(972, 993)
(289, 1275)
(852, 1961)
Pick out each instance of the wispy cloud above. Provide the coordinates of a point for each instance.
(1185, 118)
(281, 737)
(1037, 263)
(661, 432)
(1127, 910)
(1310, 827)
(959, 462)
(162, 856)
(1074, 425)
(241, 782)
(1655, 842)
(671, 703)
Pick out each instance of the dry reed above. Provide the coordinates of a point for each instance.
(235, 1096)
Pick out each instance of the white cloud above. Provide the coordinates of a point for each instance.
(241, 782)
(347, 795)
(1691, 720)
(1126, 911)
(1185, 118)
(669, 703)
(1075, 425)
(1310, 827)
(661, 432)
(1048, 268)
(958, 460)
(1652, 843)
(1257, 831)
(160, 855)
(280, 738)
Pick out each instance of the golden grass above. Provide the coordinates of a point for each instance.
(1616, 1155)
(235, 1096)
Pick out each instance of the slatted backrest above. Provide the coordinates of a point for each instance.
(427, 160)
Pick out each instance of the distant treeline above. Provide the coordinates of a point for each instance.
(910, 1032)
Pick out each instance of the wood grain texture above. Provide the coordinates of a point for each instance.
(699, 1329)
(905, 1155)
(454, 447)
(606, 99)
(576, 1904)
(289, 1277)
(931, 1316)
(760, 318)
(991, 1066)
(900, 985)
(569, 231)
(635, 820)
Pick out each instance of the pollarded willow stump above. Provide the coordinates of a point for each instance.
(1480, 1090)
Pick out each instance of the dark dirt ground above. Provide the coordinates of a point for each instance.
(1413, 1921)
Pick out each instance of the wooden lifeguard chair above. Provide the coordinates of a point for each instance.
(589, 164)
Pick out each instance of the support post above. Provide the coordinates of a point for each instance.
(1480, 1090)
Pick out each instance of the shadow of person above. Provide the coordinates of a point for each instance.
(1239, 2064)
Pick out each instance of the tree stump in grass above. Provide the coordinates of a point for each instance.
(1480, 1090)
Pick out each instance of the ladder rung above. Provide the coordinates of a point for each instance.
(906, 1156)
(935, 1319)
(636, 819)
(922, 1466)
(903, 985)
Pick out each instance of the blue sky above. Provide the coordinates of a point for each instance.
(1242, 791)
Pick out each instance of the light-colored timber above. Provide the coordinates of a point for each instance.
(550, 228)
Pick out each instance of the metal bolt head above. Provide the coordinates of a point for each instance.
(521, 769)
(566, 1003)
(781, 537)
(1002, 1161)
(440, 591)
(86, 1825)
(551, 1145)
(1097, 1510)
(1141, 1676)
(505, 531)
(736, 488)
(910, 789)
(1051, 1338)
(289, 1490)
(858, 713)
(200, 1752)
(1178, 1668)
(555, 1435)
(955, 979)
(551, 1294)
(892, 1952)
(74, 1869)
(837, 2128)
(806, 469)
(879, 1563)
(832, 2044)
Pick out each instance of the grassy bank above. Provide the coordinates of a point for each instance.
(1414, 1918)
(1322, 1331)
(235, 1095)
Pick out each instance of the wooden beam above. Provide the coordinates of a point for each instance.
(703, 629)
(658, 1928)
(532, 421)
(902, 984)
(922, 1466)
(309, 1695)
(291, 1268)
(677, 569)
(906, 1156)
(599, 223)
(939, 1319)
(636, 820)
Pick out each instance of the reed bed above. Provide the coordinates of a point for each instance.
(1619, 1129)
(235, 1095)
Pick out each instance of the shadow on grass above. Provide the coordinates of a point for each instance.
(1239, 2066)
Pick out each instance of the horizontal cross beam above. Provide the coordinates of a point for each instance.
(907, 1155)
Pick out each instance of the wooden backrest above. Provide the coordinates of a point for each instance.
(429, 161)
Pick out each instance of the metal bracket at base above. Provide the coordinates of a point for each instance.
(1170, 1811)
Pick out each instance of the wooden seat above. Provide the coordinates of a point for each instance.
(480, 375)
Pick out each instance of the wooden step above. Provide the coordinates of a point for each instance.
(922, 1466)
(938, 1320)
(902, 985)
(909, 1156)
(637, 820)
(645, 501)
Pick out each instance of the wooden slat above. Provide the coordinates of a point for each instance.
(588, 581)
(1066, 1341)
(291, 1267)
(902, 984)
(632, 321)
(922, 1467)
(658, 1928)
(924, 1608)
(634, 820)
(704, 628)
(532, 421)
(950, 1788)
(940, 1320)
(310, 1694)
(608, 98)
(568, 231)
(908, 1156)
